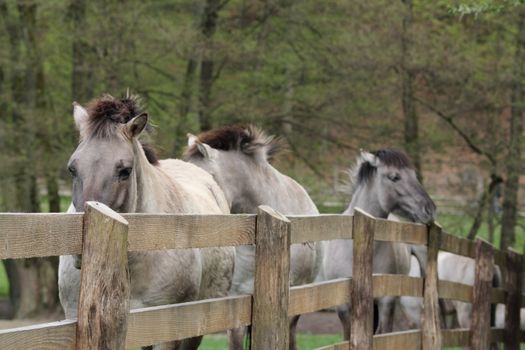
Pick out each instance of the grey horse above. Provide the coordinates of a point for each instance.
(384, 182)
(112, 166)
(238, 158)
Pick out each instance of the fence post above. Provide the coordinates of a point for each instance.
(362, 297)
(480, 327)
(104, 288)
(513, 305)
(431, 327)
(270, 328)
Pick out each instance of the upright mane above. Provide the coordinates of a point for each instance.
(364, 171)
(249, 140)
(107, 112)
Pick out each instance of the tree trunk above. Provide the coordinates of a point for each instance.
(81, 75)
(411, 137)
(53, 196)
(208, 27)
(185, 106)
(513, 160)
(33, 282)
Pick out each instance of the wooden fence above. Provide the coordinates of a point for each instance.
(104, 237)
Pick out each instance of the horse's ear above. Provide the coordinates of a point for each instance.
(80, 115)
(191, 139)
(370, 158)
(136, 125)
(206, 150)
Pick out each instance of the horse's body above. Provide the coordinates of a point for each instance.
(408, 309)
(148, 186)
(238, 160)
(384, 182)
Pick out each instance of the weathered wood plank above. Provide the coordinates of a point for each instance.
(395, 231)
(104, 282)
(407, 340)
(270, 329)
(168, 231)
(498, 296)
(35, 235)
(497, 335)
(431, 338)
(480, 327)
(514, 285)
(362, 301)
(397, 285)
(320, 228)
(457, 245)
(159, 324)
(47, 336)
(455, 337)
(500, 259)
(317, 296)
(455, 291)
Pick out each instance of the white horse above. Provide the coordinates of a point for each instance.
(383, 182)
(238, 158)
(110, 165)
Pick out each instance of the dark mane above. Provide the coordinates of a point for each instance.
(107, 112)
(389, 157)
(248, 140)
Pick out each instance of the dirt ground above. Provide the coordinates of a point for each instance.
(320, 323)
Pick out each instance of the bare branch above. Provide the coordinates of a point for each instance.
(449, 119)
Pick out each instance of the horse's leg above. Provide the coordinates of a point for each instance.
(236, 337)
(172, 345)
(293, 327)
(386, 314)
(343, 311)
(191, 343)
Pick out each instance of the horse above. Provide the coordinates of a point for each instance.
(111, 165)
(407, 314)
(383, 182)
(239, 160)
(461, 269)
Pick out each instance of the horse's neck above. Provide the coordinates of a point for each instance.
(155, 192)
(260, 185)
(364, 199)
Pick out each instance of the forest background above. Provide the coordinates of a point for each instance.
(443, 80)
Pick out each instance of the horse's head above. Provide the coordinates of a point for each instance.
(103, 164)
(236, 157)
(388, 179)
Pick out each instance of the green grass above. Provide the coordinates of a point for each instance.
(4, 284)
(64, 203)
(305, 341)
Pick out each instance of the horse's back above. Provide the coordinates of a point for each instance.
(200, 189)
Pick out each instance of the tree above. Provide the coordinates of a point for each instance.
(513, 159)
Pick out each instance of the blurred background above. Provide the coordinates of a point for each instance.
(443, 80)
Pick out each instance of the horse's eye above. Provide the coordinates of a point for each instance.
(124, 174)
(72, 171)
(394, 177)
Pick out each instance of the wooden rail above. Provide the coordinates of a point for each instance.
(273, 302)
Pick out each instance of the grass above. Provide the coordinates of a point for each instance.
(4, 284)
(305, 341)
